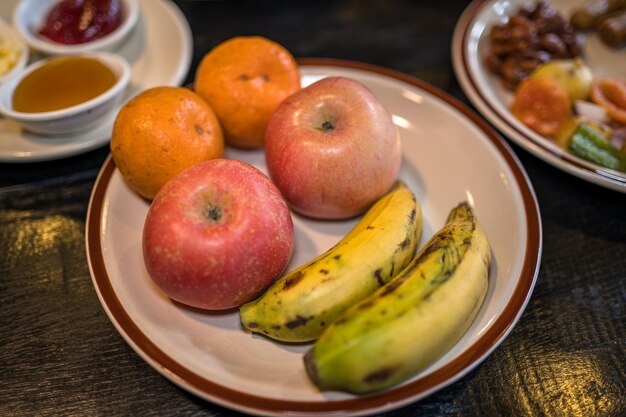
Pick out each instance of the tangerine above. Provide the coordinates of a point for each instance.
(160, 132)
(244, 79)
(542, 104)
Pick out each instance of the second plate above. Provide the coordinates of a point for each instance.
(469, 46)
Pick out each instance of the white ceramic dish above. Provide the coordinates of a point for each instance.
(8, 34)
(75, 118)
(159, 51)
(29, 16)
(450, 155)
(469, 46)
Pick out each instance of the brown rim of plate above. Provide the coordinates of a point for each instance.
(465, 21)
(399, 395)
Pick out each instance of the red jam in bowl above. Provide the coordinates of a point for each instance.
(73, 22)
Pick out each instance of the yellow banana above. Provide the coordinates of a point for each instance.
(302, 303)
(413, 319)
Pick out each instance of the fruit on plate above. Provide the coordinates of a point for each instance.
(610, 93)
(160, 132)
(589, 143)
(300, 305)
(244, 79)
(542, 104)
(332, 149)
(564, 135)
(413, 319)
(572, 74)
(217, 235)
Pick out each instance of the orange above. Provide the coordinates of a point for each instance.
(160, 132)
(542, 104)
(244, 79)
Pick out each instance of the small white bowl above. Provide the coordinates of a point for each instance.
(71, 119)
(8, 34)
(30, 15)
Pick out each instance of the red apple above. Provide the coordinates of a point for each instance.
(217, 235)
(332, 149)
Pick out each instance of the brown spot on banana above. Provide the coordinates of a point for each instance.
(412, 215)
(437, 243)
(379, 375)
(292, 280)
(378, 276)
(341, 320)
(392, 286)
(405, 243)
(298, 321)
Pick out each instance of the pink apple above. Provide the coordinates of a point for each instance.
(217, 235)
(332, 149)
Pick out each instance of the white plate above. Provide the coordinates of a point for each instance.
(469, 46)
(159, 50)
(450, 155)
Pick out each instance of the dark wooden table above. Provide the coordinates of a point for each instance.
(60, 354)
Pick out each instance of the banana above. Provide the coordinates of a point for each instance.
(412, 320)
(302, 303)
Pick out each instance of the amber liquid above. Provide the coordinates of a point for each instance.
(61, 83)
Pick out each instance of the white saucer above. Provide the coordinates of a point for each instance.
(159, 50)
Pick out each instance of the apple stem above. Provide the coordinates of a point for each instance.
(213, 213)
(327, 126)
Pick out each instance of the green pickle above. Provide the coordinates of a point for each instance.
(589, 144)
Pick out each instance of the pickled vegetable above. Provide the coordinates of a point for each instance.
(572, 74)
(588, 144)
(564, 135)
(611, 94)
(542, 105)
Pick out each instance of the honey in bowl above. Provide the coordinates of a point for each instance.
(61, 83)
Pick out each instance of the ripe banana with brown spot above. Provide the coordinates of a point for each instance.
(412, 320)
(302, 303)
